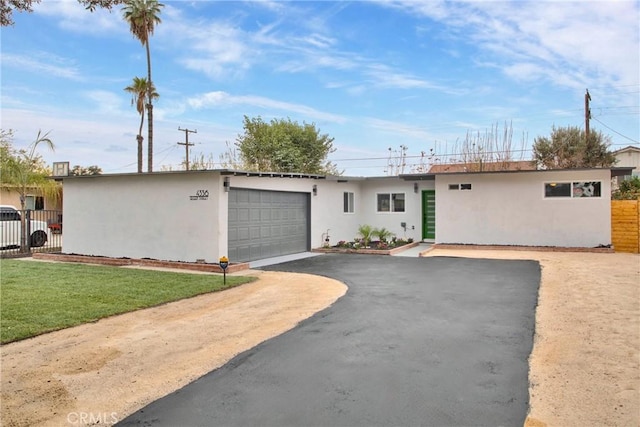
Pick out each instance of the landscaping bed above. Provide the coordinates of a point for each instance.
(373, 249)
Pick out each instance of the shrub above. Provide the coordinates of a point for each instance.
(366, 232)
(629, 189)
(382, 233)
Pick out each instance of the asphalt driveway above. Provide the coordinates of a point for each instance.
(415, 341)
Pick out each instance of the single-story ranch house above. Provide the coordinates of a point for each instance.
(204, 215)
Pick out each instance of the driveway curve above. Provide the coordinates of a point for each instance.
(415, 341)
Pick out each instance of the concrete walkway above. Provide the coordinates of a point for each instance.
(415, 251)
(411, 253)
(280, 259)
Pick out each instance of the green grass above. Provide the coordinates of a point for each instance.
(39, 297)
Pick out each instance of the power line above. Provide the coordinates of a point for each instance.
(615, 131)
(169, 150)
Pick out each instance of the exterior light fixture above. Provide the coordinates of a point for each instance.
(415, 187)
(226, 184)
(315, 190)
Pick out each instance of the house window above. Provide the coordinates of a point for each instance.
(348, 202)
(393, 202)
(465, 186)
(557, 189)
(454, 186)
(573, 189)
(34, 203)
(587, 189)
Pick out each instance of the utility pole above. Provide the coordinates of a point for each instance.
(186, 142)
(587, 114)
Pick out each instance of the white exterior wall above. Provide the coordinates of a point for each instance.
(143, 216)
(510, 209)
(629, 157)
(412, 214)
(327, 212)
(154, 216)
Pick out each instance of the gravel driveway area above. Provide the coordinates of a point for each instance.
(584, 369)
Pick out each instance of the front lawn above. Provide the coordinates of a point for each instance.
(39, 297)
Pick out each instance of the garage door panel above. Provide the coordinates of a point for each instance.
(243, 234)
(242, 197)
(254, 233)
(242, 214)
(264, 224)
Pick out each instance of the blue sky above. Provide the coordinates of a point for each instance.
(373, 75)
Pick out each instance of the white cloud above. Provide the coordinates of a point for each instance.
(72, 16)
(396, 128)
(573, 44)
(223, 99)
(42, 64)
(106, 102)
(216, 49)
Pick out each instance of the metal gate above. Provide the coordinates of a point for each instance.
(264, 224)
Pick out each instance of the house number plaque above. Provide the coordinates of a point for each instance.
(200, 195)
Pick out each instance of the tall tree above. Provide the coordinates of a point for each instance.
(285, 146)
(8, 6)
(78, 170)
(139, 90)
(570, 147)
(143, 16)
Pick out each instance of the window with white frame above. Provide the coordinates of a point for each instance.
(390, 202)
(575, 189)
(348, 202)
(459, 186)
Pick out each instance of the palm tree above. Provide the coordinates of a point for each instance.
(24, 170)
(382, 234)
(366, 232)
(139, 91)
(142, 16)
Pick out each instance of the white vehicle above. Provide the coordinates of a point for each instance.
(11, 229)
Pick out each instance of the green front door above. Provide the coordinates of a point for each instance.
(429, 214)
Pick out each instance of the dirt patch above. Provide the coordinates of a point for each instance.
(584, 369)
(101, 372)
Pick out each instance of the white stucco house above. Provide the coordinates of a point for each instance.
(203, 215)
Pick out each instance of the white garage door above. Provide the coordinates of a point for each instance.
(264, 224)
